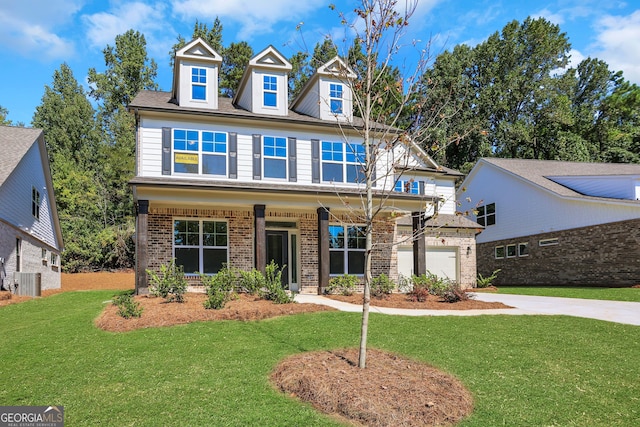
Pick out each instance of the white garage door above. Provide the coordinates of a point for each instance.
(443, 262)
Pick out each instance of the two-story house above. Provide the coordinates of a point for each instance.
(554, 222)
(256, 178)
(30, 234)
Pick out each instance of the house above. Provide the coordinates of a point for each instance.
(30, 235)
(252, 179)
(556, 223)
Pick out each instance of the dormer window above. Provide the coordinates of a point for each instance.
(270, 93)
(199, 84)
(335, 98)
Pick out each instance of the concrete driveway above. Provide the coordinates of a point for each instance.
(612, 311)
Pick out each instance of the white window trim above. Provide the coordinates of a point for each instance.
(200, 245)
(264, 91)
(520, 245)
(346, 146)
(345, 250)
(334, 98)
(200, 153)
(515, 250)
(495, 252)
(548, 242)
(205, 85)
(265, 157)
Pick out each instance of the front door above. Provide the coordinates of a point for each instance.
(278, 252)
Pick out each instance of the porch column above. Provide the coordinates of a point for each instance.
(323, 249)
(419, 250)
(260, 238)
(142, 252)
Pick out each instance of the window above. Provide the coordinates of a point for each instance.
(410, 186)
(487, 215)
(346, 249)
(199, 152)
(270, 93)
(44, 255)
(18, 254)
(200, 245)
(35, 203)
(199, 83)
(335, 98)
(54, 259)
(523, 249)
(548, 242)
(275, 156)
(342, 162)
(511, 251)
(499, 252)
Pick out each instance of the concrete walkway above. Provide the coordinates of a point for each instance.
(612, 311)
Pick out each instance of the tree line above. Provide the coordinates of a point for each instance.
(513, 95)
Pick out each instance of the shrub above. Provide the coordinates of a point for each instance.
(220, 287)
(343, 285)
(419, 288)
(483, 282)
(273, 290)
(170, 284)
(127, 306)
(251, 282)
(381, 286)
(404, 284)
(454, 293)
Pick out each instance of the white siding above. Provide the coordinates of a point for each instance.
(184, 91)
(616, 187)
(309, 105)
(325, 106)
(523, 209)
(15, 195)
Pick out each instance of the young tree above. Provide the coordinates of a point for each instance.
(382, 97)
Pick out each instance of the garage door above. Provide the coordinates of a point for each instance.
(443, 262)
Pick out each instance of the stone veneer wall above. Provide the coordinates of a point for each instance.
(599, 255)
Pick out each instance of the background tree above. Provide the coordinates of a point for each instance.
(212, 36)
(235, 59)
(4, 120)
(73, 138)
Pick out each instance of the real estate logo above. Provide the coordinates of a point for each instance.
(31, 416)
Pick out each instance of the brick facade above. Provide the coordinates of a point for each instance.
(599, 255)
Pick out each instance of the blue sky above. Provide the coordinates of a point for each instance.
(36, 36)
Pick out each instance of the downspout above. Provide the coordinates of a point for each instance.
(3, 274)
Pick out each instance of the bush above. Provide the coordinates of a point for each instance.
(454, 293)
(127, 306)
(220, 287)
(251, 282)
(342, 285)
(170, 284)
(273, 290)
(381, 286)
(483, 282)
(425, 285)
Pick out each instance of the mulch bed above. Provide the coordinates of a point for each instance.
(157, 313)
(432, 303)
(391, 391)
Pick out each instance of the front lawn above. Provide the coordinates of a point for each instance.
(522, 370)
(612, 294)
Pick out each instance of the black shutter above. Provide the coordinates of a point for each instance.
(293, 162)
(233, 155)
(315, 161)
(166, 151)
(257, 157)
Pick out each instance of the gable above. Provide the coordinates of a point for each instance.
(200, 50)
(270, 58)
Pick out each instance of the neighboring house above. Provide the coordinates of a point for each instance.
(252, 179)
(556, 223)
(30, 236)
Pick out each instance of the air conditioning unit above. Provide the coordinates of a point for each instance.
(28, 284)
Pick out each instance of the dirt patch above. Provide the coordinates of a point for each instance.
(98, 280)
(432, 303)
(390, 391)
(156, 312)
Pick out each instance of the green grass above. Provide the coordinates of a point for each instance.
(612, 294)
(522, 370)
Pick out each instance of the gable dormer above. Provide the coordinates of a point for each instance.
(263, 88)
(327, 95)
(195, 75)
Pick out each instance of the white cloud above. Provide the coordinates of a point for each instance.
(617, 44)
(27, 27)
(103, 27)
(554, 18)
(254, 17)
